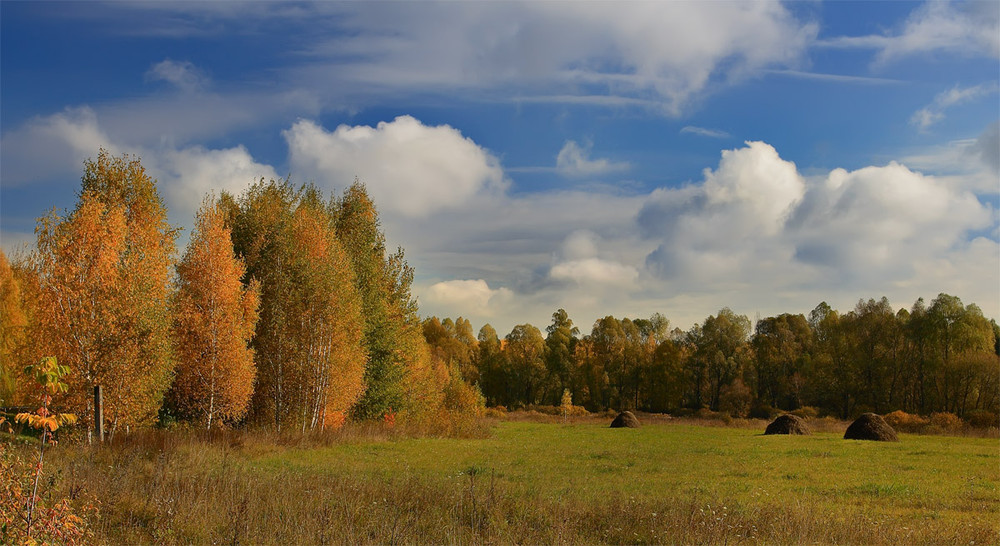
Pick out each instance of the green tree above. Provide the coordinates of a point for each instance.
(490, 366)
(308, 341)
(392, 335)
(559, 344)
(781, 346)
(721, 348)
(524, 349)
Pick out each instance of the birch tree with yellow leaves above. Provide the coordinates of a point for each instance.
(103, 292)
(214, 319)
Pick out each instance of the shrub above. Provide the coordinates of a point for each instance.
(710, 415)
(906, 422)
(736, 399)
(543, 409)
(946, 422)
(806, 412)
(761, 410)
(461, 397)
(496, 411)
(982, 419)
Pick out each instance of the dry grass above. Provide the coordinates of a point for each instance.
(532, 482)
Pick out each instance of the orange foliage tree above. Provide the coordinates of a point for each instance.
(13, 321)
(103, 280)
(214, 319)
(310, 358)
(327, 312)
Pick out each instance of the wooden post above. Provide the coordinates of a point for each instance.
(98, 414)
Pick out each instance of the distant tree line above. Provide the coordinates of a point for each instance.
(941, 357)
(286, 310)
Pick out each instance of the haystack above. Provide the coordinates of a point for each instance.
(871, 426)
(787, 424)
(625, 419)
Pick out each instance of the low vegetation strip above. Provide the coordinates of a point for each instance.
(532, 482)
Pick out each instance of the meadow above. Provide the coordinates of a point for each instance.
(537, 480)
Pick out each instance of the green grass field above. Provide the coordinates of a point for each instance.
(534, 482)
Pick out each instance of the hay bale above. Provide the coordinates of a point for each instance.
(871, 426)
(625, 419)
(787, 424)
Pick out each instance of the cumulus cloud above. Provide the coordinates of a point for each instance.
(574, 161)
(970, 164)
(756, 222)
(579, 263)
(53, 149)
(187, 175)
(181, 74)
(724, 228)
(879, 221)
(468, 296)
(408, 167)
(934, 112)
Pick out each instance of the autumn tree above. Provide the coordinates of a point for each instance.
(214, 319)
(325, 318)
(452, 343)
(490, 366)
(524, 351)
(963, 342)
(720, 352)
(559, 342)
(13, 323)
(103, 282)
(781, 345)
(665, 380)
(260, 220)
(398, 373)
(308, 340)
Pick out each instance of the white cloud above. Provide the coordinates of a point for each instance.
(408, 167)
(755, 225)
(971, 28)
(594, 271)
(574, 160)
(964, 29)
(934, 112)
(701, 131)
(54, 148)
(662, 55)
(183, 75)
(188, 174)
(971, 164)
(725, 230)
(464, 297)
(579, 263)
(50, 146)
(877, 222)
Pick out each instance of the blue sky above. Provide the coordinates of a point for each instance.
(606, 158)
